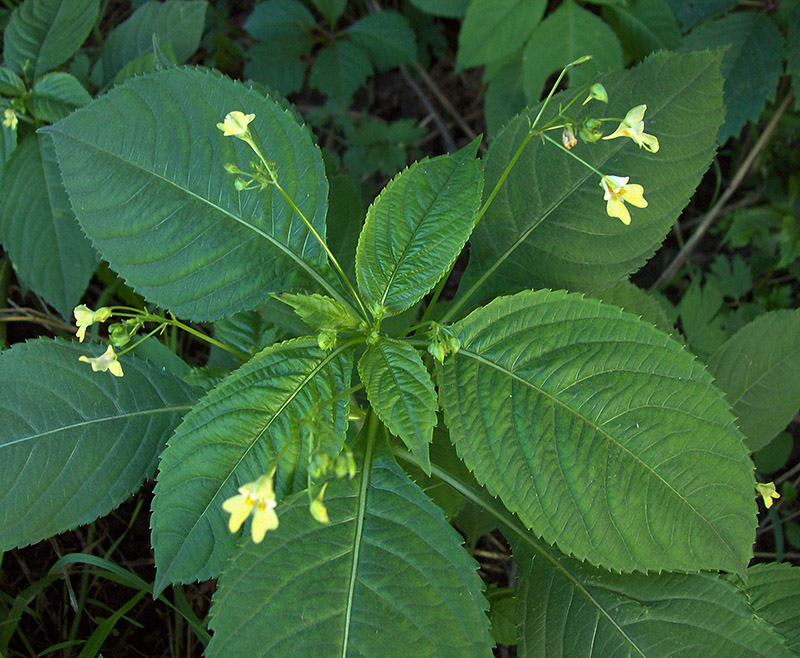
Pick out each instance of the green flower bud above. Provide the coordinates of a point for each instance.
(591, 130)
(597, 92)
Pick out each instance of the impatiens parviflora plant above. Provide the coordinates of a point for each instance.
(597, 444)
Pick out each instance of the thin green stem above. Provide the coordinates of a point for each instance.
(199, 334)
(372, 425)
(335, 263)
(578, 158)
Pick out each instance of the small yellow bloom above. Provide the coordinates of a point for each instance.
(617, 193)
(317, 507)
(633, 126)
(86, 317)
(257, 497)
(235, 124)
(106, 362)
(767, 492)
(10, 119)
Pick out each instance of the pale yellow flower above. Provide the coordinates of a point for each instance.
(767, 492)
(10, 119)
(86, 317)
(317, 507)
(633, 126)
(618, 193)
(235, 124)
(107, 362)
(257, 497)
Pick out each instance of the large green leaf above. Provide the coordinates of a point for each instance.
(757, 368)
(47, 33)
(752, 65)
(178, 23)
(493, 29)
(387, 577)
(37, 227)
(601, 433)
(633, 299)
(548, 226)
(232, 436)
(74, 443)
(565, 35)
(416, 228)
(400, 390)
(566, 609)
(774, 591)
(143, 166)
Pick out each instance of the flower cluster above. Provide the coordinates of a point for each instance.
(85, 318)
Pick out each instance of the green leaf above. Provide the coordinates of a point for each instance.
(75, 443)
(751, 66)
(10, 83)
(283, 28)
(278, 62)
(345, 218)
(47, 33)
(39, 231)
(143, 166)
(549, 228)
(387, 37)
(644, 26)
(775, 455)
(502, 614)
(234, 435)
(443, 455)
(447, 8)
(55, 95)
(175, 22)
(493, 29)
(633, 299)
(601, 433)
(401, 392)
(570, 610)
(505, 97)
(339, 70)
(793, 55)
(691, 13)
(276, 18)
(320, 312)
(330, 9)
(565, 35)
(416, 228)
(757, 368)
(774, 592)
(703, 316)
(387, 577)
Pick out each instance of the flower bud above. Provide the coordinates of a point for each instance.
(591, 131)
(597, 92)
(568, 137)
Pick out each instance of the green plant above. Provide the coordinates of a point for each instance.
(349, 408)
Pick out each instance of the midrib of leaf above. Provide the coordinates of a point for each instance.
(93, 421)
(513, 525)
(274, 241)
(604, 434)
(366, 471)
(459, 303)
(324, 362)
(769, 370)
(413, 235)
